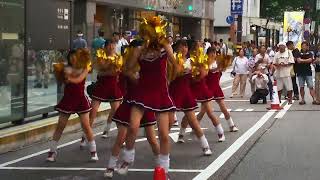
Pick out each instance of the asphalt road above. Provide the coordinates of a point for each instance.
(269, 145)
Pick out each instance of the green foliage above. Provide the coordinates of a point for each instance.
(275, 8)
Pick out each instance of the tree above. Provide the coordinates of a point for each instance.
(274, 9)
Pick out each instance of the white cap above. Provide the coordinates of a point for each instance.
(282, 44)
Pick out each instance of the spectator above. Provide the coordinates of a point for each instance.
(304, 72)
(79, 42)
(170, 40)
(119, 43)
(230, 47)
(252, 65)
(263, 60)
(317, 75)
(295, 53)
(283, 62)
(241, 70)
(207, 45)
(223, 47)
(260, 81)
(98, 42)
(271, 53)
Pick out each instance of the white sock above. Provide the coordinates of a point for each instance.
(182, 131)
(219, 129)
(53, 145)
(164, 162)
(108, 126)
(128, 155)
(230, 122)
(112, 164)
(204, 142)
(157, 160)
(92, 146)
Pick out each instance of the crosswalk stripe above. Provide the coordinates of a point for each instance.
(238, 110)
(249, 110)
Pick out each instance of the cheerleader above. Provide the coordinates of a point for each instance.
(201, 92)
(183, 98)
(122, 117)
(74, 100)
(107, 87)
(213, 83)
(151, 92)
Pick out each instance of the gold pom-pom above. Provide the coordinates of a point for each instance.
(153, 30)
(115, 61)
(83, 59)
(199, 61)
(58, 69)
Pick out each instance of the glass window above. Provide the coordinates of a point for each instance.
(48, 41)
(11, 59)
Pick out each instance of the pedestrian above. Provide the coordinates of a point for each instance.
(264, 61)
(230, 47)
(283, 63)
(183, 99)
(260, 81)
(317, 74)
(201, 91)
(207, 45)
(252, 68)
(120, 43)
(295, 53)
(79, 42)
(304, 72)
(74, 101)
(213, 83)
(122, 118)
(98, 42)
(107, 88)
(223, 47)
(240, 70)
(148, 95)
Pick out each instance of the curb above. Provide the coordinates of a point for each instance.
(18, 137)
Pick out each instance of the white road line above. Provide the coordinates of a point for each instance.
(249, 110)
(45, 151)
(229, 110)
(238, 110)
(228, 87)
(94, 169)
(221, 116)
(283, 111)
(227, 154)
(236, 100)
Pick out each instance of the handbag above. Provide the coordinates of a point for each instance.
(233, 72)
(90, 88)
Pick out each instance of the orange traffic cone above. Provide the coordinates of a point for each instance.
(275, 103)
(159, 174)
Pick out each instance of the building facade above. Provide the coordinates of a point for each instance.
(36, 34)
(254, 28)
(194, 17)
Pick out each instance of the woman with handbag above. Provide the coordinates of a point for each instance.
(240, 72)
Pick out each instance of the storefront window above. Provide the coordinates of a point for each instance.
(48, 41)
(11, 59)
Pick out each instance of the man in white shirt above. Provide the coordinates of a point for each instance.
(120, 42)
(260, 81)
(283, 62)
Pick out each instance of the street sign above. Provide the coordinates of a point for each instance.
(230, 19)
(236, 7)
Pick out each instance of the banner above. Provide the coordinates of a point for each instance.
(293, 27)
